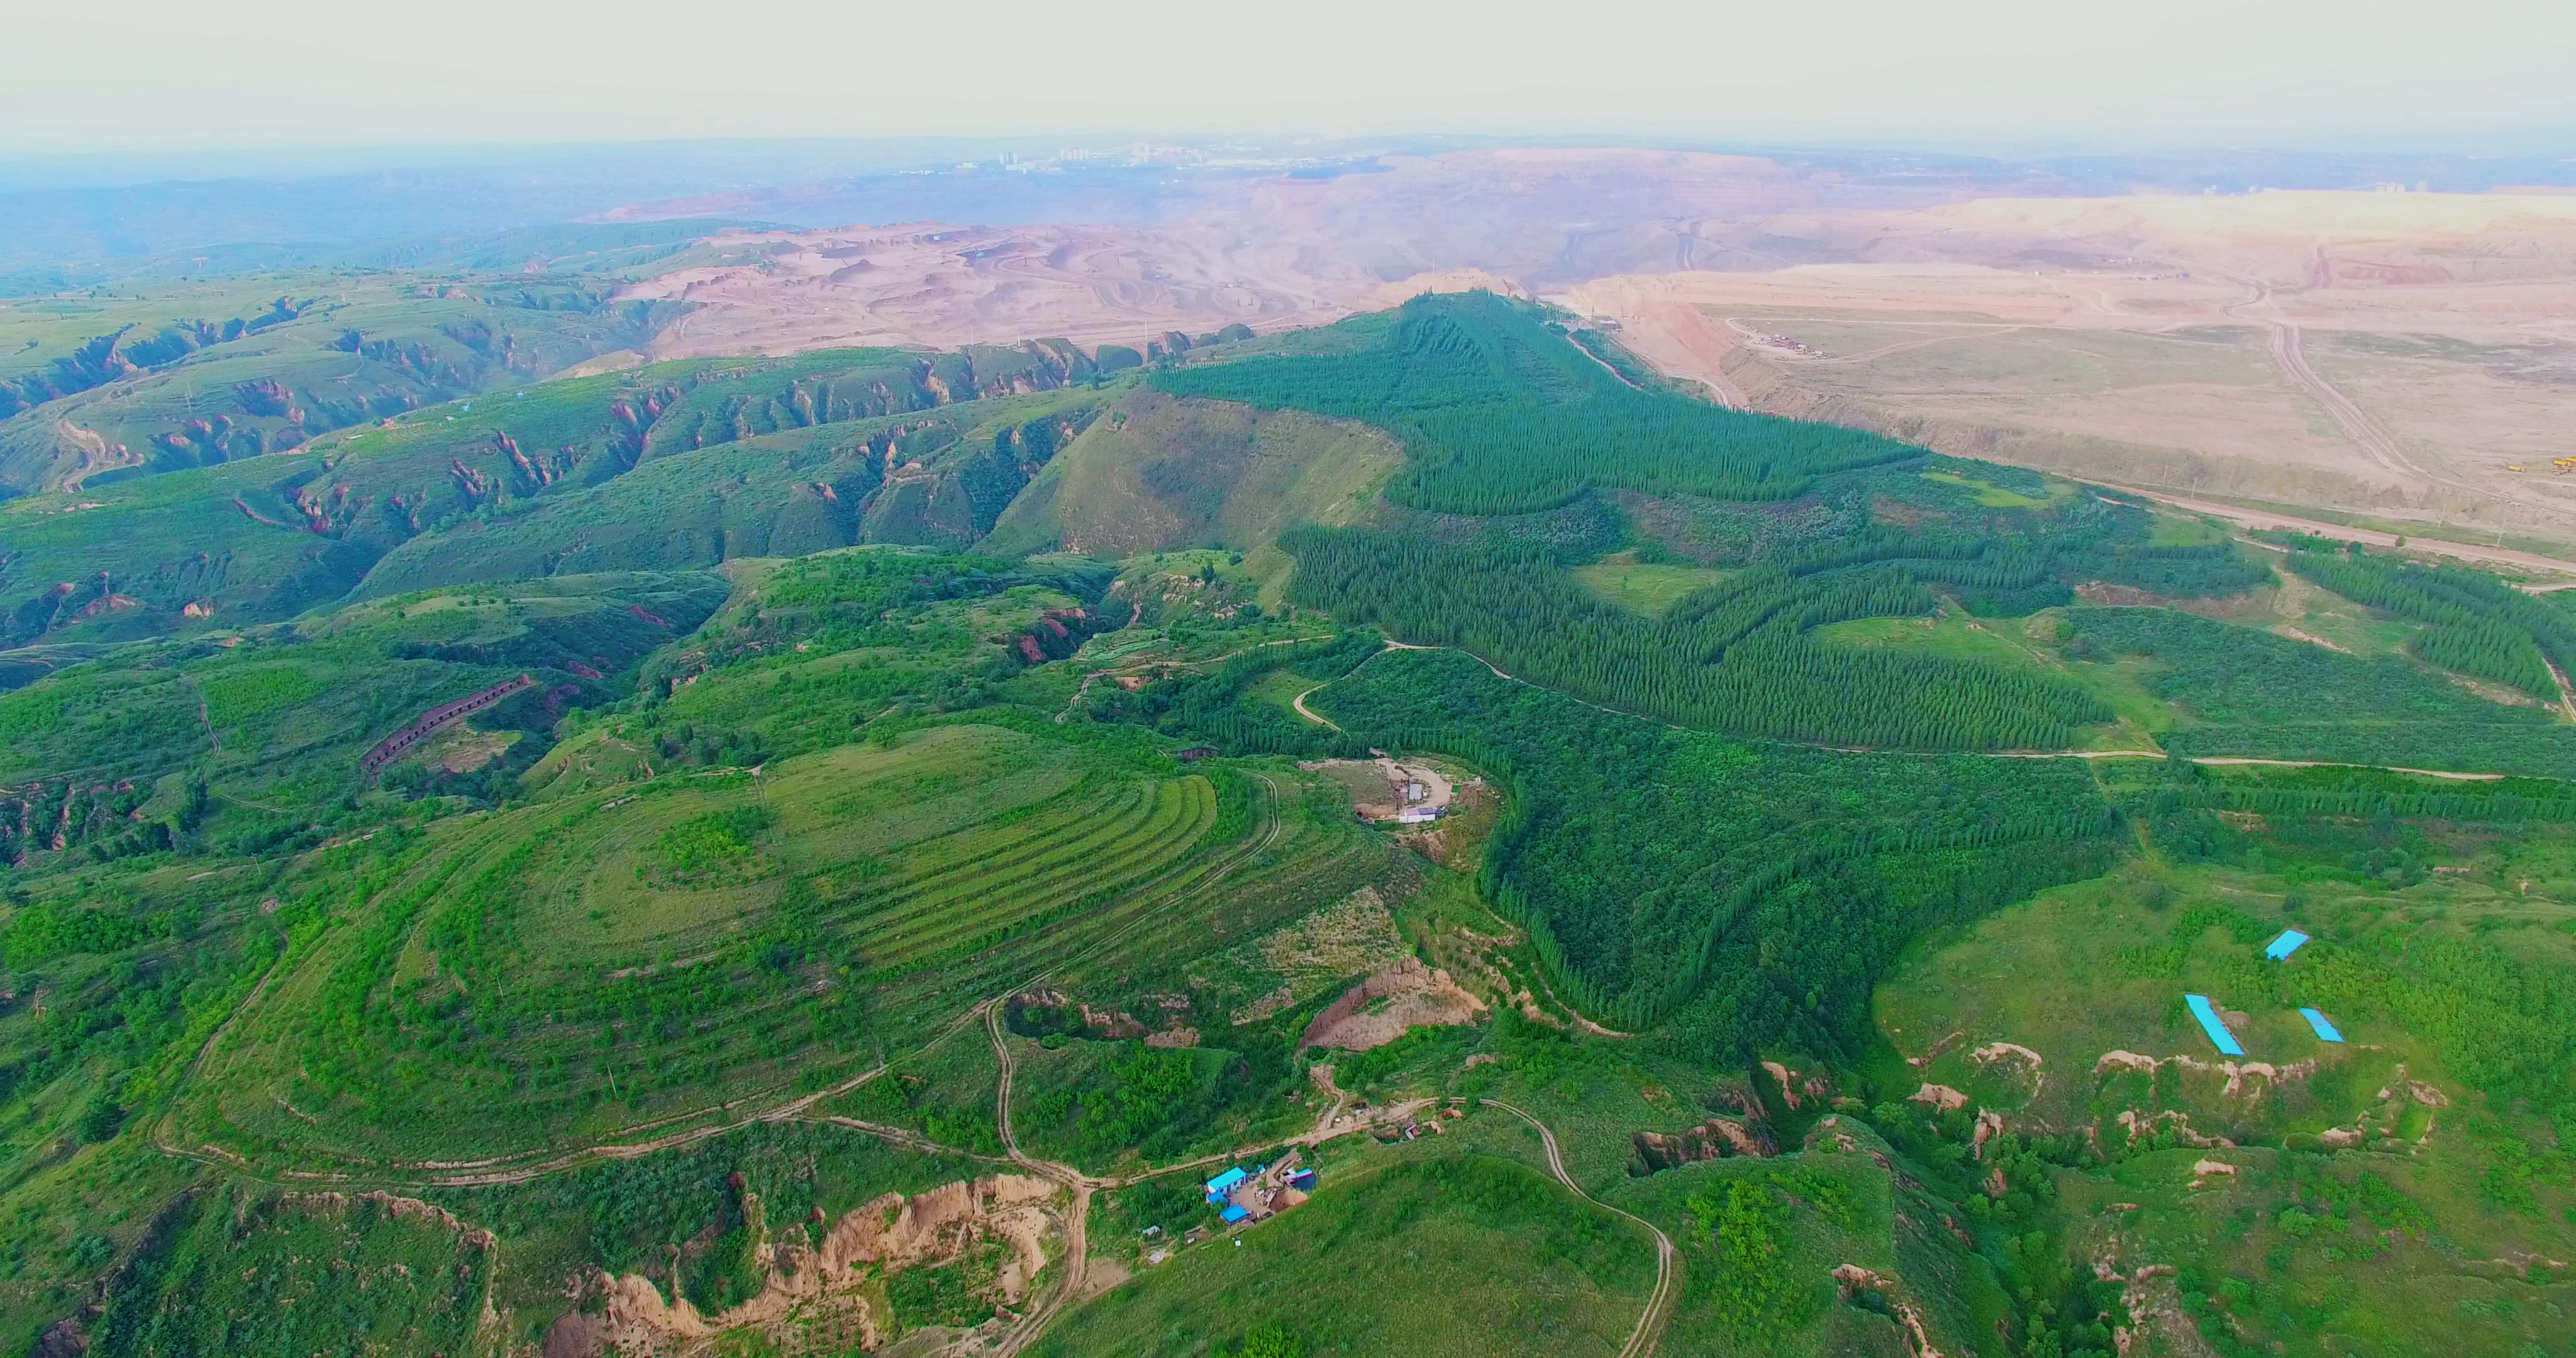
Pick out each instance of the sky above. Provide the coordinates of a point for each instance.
(153, 75)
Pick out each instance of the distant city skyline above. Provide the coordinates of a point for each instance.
(2491, 75)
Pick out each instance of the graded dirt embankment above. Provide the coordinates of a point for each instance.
(1384, 1007)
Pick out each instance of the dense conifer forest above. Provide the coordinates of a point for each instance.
(1501, 416)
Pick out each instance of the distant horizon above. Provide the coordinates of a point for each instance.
(271, 75)
(128, 166)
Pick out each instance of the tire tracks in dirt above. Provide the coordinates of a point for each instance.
(2289, 354)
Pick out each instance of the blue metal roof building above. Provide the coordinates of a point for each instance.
(2210, 1023)
(2325, 1031)
(1232, 1215)
(1225, 1183)
(2290, 941)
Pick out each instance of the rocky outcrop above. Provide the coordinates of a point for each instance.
(2179, 1122)
(2239, 1074)
(817, 1286)
(1850, 1280)
(1940, 1097)
(392, 747)
(1716, 1139)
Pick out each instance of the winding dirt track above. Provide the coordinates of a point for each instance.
(1641, 1340)
(2289, 353)
(1077, 1246)
(2453, 774)
(1299, 702)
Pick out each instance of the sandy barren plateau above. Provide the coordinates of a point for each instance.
(2396, 354)
(2399, 354)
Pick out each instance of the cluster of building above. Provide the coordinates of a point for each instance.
(2278, 950)
(1262, 1192)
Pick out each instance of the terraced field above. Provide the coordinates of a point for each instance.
(1318, 855)
(625, 958)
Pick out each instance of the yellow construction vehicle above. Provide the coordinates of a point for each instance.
(2513, 466)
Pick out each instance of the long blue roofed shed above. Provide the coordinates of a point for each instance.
(2210, 1023)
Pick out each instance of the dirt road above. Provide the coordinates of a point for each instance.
(2264, 518)
(1641, 1340)
(2569, 693)
(1077, 1245)
(2289, 353)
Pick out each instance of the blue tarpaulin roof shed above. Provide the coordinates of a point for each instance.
(2325, 1031)
(1233, 1214)
(1224, 1183)
(2290, 941)
(2209, 1021)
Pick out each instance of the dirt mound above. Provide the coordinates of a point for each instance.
(1380, 1009)
(1942, 1097)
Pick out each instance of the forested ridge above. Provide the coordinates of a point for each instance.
(2253, 694)
(1735, 659)
(1762, 884)
(1502, 415)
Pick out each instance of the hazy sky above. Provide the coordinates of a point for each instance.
(154, 74)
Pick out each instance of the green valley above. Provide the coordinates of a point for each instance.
(845, 851)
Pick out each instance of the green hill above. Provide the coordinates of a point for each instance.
(193, 375)
(265, 538)
(1157, 473)
(1686, 882)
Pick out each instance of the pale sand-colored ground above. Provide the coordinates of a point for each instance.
(1270, 253)
(2388, 353)
(2395, 353)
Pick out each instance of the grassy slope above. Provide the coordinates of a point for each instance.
(1644, 587)
(421, 339)
(898, 872)
(1160, 473)
(533, 483)
(242, 1272)
(1452, 1255)
(275, 723)
(2120, 952)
